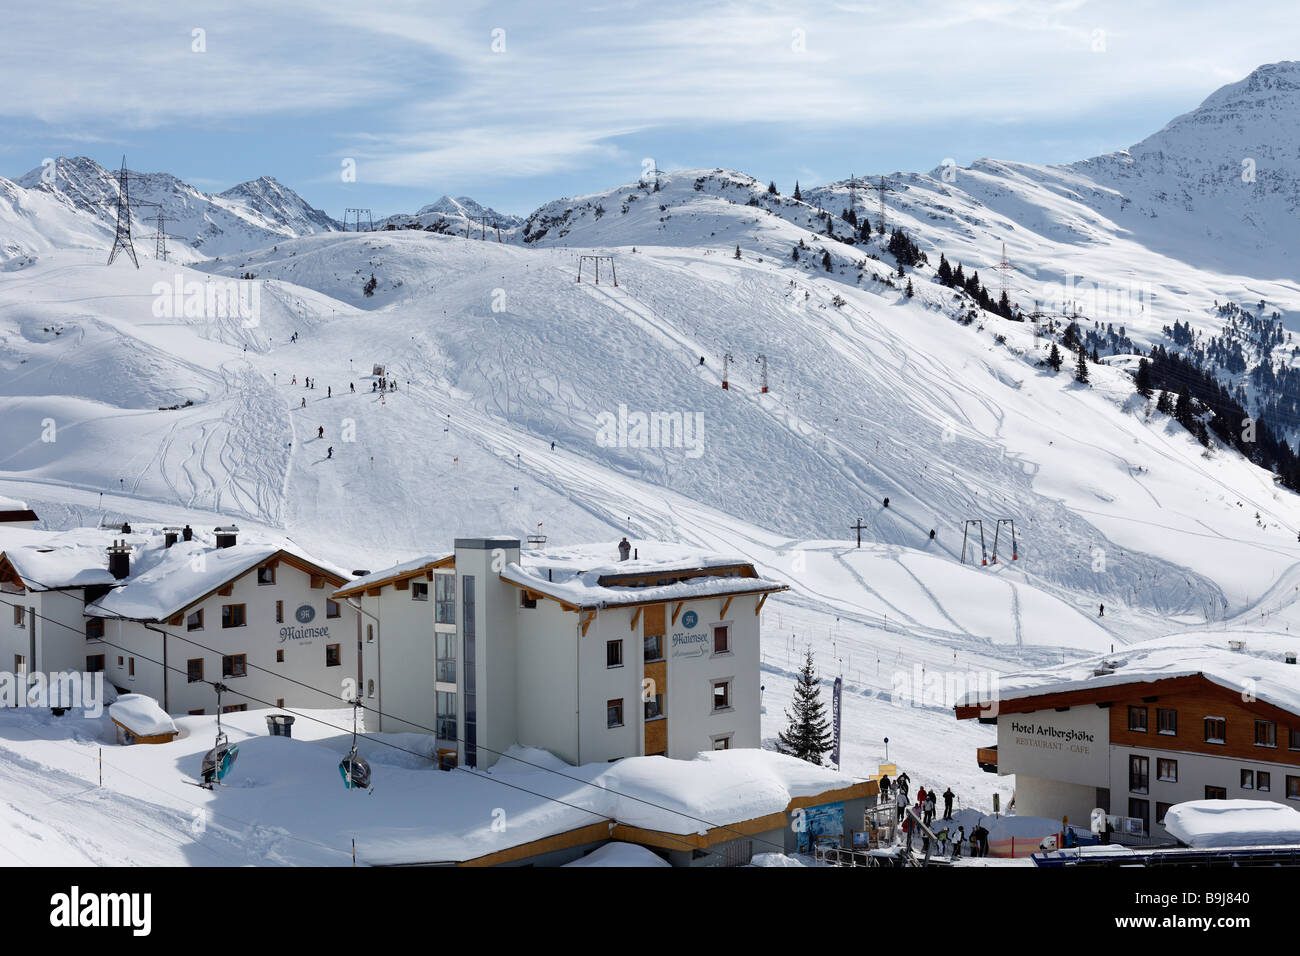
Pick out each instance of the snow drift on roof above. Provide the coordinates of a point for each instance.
(141, 715)
(1221, 823)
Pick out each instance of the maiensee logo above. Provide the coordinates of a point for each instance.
(74, 909)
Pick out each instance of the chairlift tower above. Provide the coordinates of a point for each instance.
(762, 382)
(595, 262)
(997, 531)
(966, 534)
(726, 365)
(354, 214)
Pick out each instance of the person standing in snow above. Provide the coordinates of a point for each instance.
(320, 431)
(353, 387)
(329, 391)
(304, 403)
(947, 804)
(1101, 610)
(908, 828)
(920, 796)
(900, 801)
(329, 452)
(929, 808)
(957, 839)
(902, 782)
(884, 785)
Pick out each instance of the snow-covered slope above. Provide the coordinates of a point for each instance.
(455, 217)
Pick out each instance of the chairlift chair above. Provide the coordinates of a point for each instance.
(218, 761)
(353, 768)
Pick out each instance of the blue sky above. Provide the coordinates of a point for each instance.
(518, 103)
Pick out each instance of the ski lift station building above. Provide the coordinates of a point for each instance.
(1182, 718)
(165, 612)
(575, 651)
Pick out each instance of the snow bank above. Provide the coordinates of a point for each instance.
(1219, 823)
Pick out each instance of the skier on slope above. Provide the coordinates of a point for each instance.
(1101, 610)
(320, 431)
(329, 452)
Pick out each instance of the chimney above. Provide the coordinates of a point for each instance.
(226, 536)
(624, 549)
(187, 533)
(170, 536)
(119, 559)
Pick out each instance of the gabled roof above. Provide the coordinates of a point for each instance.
(189, 572)
(1174, 664)
(408, 570)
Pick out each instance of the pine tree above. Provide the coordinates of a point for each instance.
(1183, 407)
(1164, 404)
(771, 188)
(826, 260)
(1081, 368)
(794, 255)
(737, 252)
(808, 735)
(945, 270)
(797, 194)
(909, 292)
(1144, 378)
(1054, 358)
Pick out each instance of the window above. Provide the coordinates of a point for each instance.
(444, 596)
(94, 628)
(232, 615)
(419, 590)
(279, 612)
(446, 644)
(613, 653)
(370, 688)
(194, 670)
(234, 708)
(20, 664)
(234, 665)
(446, 715)
(370, 634)
(197, 713)
(1167, 770)
(721, 639)
(332, 656)
(1263, 781)
(94, 663)
(279, 656)
(130, 667)
(266, 575)
(527, 600)
(1247, 779)
(1294, 743)
(721, 695)
(614, 713)
(1216, 793)
(1137, 719)
(1139, 774)
(1140, 810)
(120, 660)
(332, 608)
(1216, 731)
(1293, 788)
(722, 743)
(194, 620)
(654, 706)
(654, 647)
(1167, 721)
(20, 613)
(279, 702)
(1161, 810)
(1265, 733)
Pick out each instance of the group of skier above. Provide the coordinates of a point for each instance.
(916, 817)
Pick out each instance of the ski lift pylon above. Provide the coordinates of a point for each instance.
(1011, 525)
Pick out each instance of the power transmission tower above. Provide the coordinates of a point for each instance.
(883, 188)
(1004, 270)
(122, 205)
(161, 236)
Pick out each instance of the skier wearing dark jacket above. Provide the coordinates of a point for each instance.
(947, 804)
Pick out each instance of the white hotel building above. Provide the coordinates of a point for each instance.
(167, 612)
(1195, 716)
(573, 650)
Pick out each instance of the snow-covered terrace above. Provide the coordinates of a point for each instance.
(586, 577)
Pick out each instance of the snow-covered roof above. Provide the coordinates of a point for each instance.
(389, 575)
(141, 715)
(162, 581)
(592, 576)
(618, 853)
(1258, 668)
(1224, 823)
